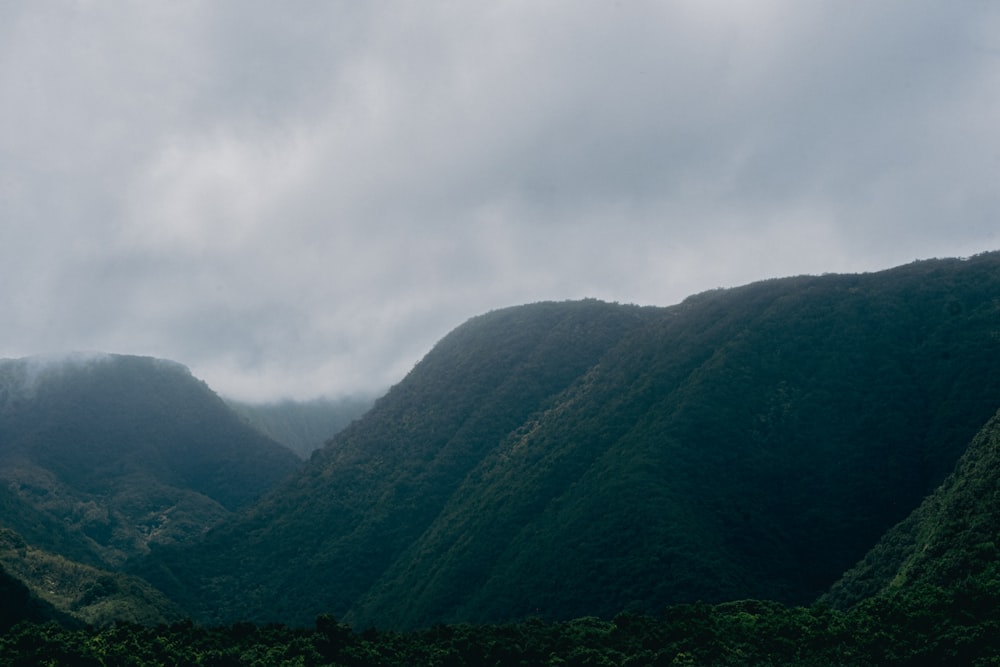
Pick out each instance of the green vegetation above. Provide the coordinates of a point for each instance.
(87, 594)
(944, 553)
(574, 483)
(748, 632)
(103, 457)
(934, 614)
(562, 460)
(20, 605)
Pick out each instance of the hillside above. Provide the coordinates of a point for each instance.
(364, 498)
(73, 590)
(22, 606)
(569, 459)
(930, 588)
(102, 457)
(947, 545)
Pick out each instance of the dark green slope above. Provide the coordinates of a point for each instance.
(948, 544)
(323, 539)
(122, 452)
(931, 586)
(583, 458)
(20, 605)
(750, 443)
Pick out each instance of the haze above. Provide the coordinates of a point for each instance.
(299, 199)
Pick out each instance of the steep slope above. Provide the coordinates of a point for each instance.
(931, 586)
(122, 452)
(567, 459)
(363, 499)
(761, 441)
(303, 426)
(21, 605)
(948, 543)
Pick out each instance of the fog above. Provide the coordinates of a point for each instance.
(298, 202)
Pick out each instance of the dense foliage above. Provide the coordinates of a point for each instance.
(931, 615)
(560, 483)
(737, 633)
(103, 458)
(84, 592)
(21, 605)
(562, 460)
(946, 550)
(127, 450)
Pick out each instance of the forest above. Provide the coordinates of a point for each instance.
(906, 630)
(582, 458)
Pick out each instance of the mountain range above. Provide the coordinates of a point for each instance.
(792, 440)
(566, 459)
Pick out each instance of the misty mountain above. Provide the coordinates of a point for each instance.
(584, 458)
(303, 426)
(102, 457)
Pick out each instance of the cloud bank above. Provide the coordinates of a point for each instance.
(300, 199)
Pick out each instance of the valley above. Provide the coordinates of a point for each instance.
(817, 440)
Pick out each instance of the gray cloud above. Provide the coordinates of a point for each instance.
(300, 200)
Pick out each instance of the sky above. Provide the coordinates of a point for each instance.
(298, 199)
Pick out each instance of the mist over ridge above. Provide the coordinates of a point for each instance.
(301, 204)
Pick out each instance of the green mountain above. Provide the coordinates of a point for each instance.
(102, 457)
(584, 458)
(486, 377)
(303, 426)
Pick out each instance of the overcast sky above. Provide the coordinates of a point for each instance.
(300, 198)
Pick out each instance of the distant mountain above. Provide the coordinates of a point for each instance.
(303, 426)
(102, 457)
(579, 458)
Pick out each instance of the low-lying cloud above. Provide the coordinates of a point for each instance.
(295, 202)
